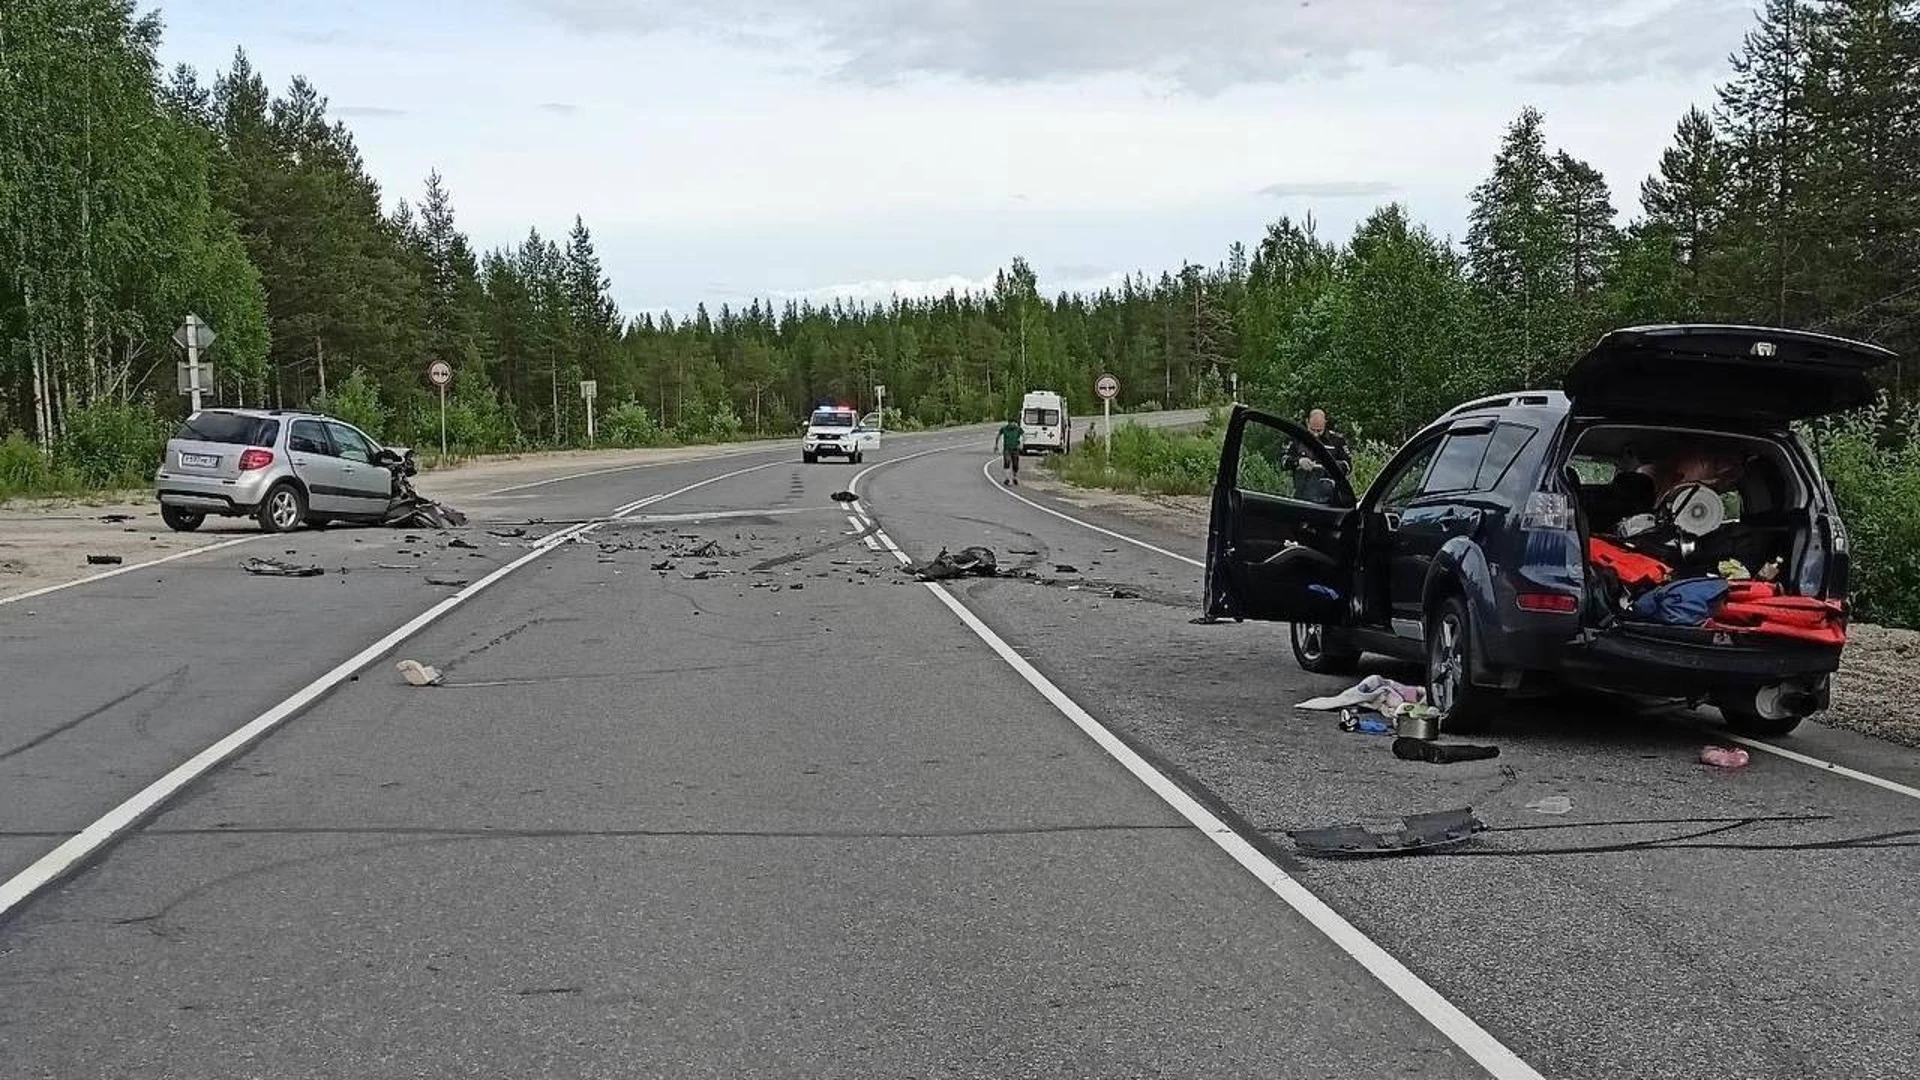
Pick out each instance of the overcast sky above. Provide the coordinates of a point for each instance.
(725, 149)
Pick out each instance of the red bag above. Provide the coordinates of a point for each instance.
(1634, 569)
(1757, 607)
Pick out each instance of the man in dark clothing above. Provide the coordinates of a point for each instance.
(1300, 458)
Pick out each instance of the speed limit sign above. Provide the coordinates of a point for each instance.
(1107, 387)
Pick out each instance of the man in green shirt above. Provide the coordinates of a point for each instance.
(1008, 440)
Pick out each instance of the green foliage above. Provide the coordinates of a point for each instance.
(631, 425)
(1146, 460)
(25, 470)
(357, 401)
(110, 445)
(1872, 462)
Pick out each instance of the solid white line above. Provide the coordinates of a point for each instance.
(71, 854)
(719, 515)
(1460, 1029)
(694, 460)
(1826, 766)
(117, 571)
(987, 471)
(1487, 1051)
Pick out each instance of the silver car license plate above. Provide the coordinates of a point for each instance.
(199, 461)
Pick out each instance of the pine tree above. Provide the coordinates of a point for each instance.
(1763, 111)
(1686, 200)
(1519, 256)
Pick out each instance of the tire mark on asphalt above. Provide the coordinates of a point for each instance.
(69, 725)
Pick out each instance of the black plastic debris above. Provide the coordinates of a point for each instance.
(1124, 594)
(507, 534)
(408, 509)
(1398, 836)
(451, 582)
(268, 567)
(1410, 749)
(1023, 551)
(1064, 568)
(457, 542)
(115, 519)
(970, 562)
(844, 497)
(104, 560)
(663, 565)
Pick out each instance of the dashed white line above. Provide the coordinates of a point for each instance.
(117, 571)
(74, 852)
(1460, 1029)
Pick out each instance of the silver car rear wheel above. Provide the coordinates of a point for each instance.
(283, 509)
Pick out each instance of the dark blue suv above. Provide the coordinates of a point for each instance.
(1655, 529)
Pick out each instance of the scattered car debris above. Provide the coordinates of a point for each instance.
(1724, 757)
(663, 565)
(12, 566)
(1435, 753)
(844, 497)
(507, 534)
(115, 519)
(391, 566)
(264, 566)
(1551, 804)
(409, 539)
(1022, 551)
(1365, 723)
(1065, 568)
(703, 575)
(1121, 593)
(418, 674)
(451, 582)
(458, 542)
(1381, 693)
(1398, 836)
(104, 560)
(970, 562)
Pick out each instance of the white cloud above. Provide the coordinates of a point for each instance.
(1203, 45)
(1329, 189)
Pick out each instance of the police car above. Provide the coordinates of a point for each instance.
(839, 431)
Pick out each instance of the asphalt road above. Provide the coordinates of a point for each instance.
(776, 811)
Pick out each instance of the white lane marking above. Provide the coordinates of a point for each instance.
(117, 571)
(1825, 766)
(755, 448)
(1479, 1044)
(721, 515)
(71, 854)
(694, 460)
(987, 471)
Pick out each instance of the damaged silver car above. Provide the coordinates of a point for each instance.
(283, 468)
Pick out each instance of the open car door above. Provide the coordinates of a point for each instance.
(1281, 543)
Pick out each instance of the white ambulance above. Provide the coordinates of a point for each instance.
(1044, 423)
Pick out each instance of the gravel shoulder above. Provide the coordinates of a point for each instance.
(1866, 694)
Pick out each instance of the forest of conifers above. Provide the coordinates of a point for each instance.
(130, 196)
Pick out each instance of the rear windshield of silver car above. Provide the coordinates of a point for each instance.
(229, 428)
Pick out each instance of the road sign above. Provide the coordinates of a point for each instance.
(188, 380)
(1107, 387)
(589, 389)
(195, 377)
(193, 334)
(439, 373)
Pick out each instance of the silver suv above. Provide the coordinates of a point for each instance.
(284, 468)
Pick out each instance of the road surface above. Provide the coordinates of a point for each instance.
(778, 811)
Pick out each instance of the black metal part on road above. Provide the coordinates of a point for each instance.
(1401, 836)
